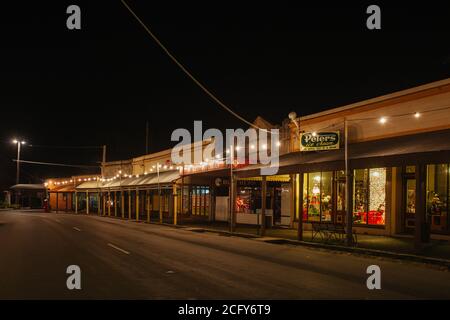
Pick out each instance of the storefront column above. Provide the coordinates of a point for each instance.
(292, 199)
(300, 207)
(421, 232)
(99, 210)
(175, 203)
(129, 205)
(263, 205)
(349, 207)
(109, 203)
(103, 204)
(122, 204)
(147, 203)
(87, 202)
(137, 204)
(115, 204)
(76, 202)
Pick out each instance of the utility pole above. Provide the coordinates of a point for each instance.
(146, 137)
(348, 182)
(103, 159)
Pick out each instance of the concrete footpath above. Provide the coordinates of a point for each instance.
(437, 252)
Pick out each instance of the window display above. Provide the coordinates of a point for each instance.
(317, 196)
(369, 196)
(438, 190)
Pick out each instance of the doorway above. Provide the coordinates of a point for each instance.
(409, 199)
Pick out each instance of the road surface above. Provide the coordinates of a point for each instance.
(128, 260)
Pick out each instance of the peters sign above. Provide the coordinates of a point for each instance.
(310, 141)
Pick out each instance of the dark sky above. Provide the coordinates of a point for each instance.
(99, 85)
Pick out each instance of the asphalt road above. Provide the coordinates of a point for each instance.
(129, 260)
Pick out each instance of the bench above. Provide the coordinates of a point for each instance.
(329, 231)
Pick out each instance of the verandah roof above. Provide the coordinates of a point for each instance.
(165, 177)
(428, 147)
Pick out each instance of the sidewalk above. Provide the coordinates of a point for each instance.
(439, 249)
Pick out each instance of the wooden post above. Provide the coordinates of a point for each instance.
(122, 203)
(103, 205)
(87, 202)
(129, 204)
(175, 204)
(300, 206)
(109, 203)
(348, 189)
(147, 204)
(76, 202)
(115, 204)
(292, 200)
(263, 205)
(137, 204)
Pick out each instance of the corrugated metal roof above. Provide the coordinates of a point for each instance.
(144, 180)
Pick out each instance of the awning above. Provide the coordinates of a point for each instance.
(276, 178)
(149, 180)
(429, 147)
(28, 187)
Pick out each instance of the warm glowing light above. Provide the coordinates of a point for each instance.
(317, 178)
(264, 146)
(151, 169)
(228, 150)
(278, 143)
(252, 146)
(145, 173)
(171, 168)
(382, 120)
(165, 167)
(417, 115)
(238, 148)
(314, 134)
(218, 156)
(120, 171)
(15, 141)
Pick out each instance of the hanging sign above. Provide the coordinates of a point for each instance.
(310, 141)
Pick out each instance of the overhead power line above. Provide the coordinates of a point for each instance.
(187, 72)
(56, 164)
(65, 147)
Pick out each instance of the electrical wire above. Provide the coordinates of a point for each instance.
(55, 164)
(64, 147)
(187, 72)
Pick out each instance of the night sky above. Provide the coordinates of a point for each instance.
(101, 84)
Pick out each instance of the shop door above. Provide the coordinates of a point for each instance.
(409, 203)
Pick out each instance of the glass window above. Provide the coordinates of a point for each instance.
(369, 197)
(314, 196)
(438, 196)
(317, 196)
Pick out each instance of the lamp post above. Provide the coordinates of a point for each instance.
(19, 143)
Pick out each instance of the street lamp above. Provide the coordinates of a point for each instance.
(19, 143)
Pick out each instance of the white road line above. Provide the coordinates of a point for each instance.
(75, 228)
(117, 248)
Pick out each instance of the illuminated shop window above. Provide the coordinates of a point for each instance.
(317, 195)
(369, 196)
(438, 191)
